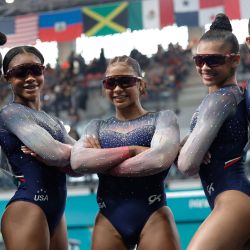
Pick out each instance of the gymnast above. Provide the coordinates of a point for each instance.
(215, 147)
(131, 152)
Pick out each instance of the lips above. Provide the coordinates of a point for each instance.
(30, 86)
(207, 76)
(119, 98)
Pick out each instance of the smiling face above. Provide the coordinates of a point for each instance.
(128, 97)
(217, 76)
(26, 87)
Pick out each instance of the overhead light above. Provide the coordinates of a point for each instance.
(9, 1)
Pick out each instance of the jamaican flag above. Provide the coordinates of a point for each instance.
(105, 19)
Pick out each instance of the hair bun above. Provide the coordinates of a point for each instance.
(221, 22)
(3, 38)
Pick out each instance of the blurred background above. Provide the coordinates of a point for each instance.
(78, 37)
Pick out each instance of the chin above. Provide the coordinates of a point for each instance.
(121, 105)
(208, 83)
(31, 98)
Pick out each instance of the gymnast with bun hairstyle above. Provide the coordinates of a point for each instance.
(214, 148)
(38, 150)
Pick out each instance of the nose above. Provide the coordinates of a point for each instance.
(117, 88)
(205, 66)
(29, 75)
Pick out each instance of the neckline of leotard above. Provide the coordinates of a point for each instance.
(27, 107)
(229, 85)
(134, 119)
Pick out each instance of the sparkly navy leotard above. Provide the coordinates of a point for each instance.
(127, 202)
(42, 185)
(219, 126)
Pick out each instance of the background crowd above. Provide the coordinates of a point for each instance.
(73, 90)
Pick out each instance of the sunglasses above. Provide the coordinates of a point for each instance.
(211, 60)
(123, 81)
(23, 70)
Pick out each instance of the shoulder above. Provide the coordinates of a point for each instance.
(219, 104)
(223, 94)
(10, 109)
(167, 114)
(92, 124)
(167, 117)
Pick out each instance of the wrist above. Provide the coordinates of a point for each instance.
(131, 150)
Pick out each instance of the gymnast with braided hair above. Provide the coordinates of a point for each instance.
(131, 152)
(215, 147)
(38, 150)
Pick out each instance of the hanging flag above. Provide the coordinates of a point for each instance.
(186, 12)
(167, 12)
(209, 9)
(150, 14)
(237, 9)
(60, 26)
(20, 30)
(105, 19)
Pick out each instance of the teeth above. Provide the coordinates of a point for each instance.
(29, 86)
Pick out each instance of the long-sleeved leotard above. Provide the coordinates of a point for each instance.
(219, 126)
(45, 135)
(129, 199)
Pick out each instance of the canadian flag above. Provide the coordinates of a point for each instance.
(237, 9)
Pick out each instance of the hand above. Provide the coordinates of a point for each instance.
(207, 158)
(28, 151)
(90, 141)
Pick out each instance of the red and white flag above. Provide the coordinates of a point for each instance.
(209, 9)
(157, 13)
(237, 9)
(20, 30)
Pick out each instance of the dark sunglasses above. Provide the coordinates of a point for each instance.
(123, 81)
(211, 60)
(23, 70)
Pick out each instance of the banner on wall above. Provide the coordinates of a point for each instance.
(237, 9)
(150, 14)
(20, 30)
(105, 19)
(195, 13)
(61, 26)
(111, 18)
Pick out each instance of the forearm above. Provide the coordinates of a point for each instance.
(149, 162)
(95, 160)
(58, 158)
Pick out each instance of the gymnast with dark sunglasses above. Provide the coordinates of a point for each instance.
(215, 145)
(131, 152)
(34, 216)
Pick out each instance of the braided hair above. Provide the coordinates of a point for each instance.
(129, 61)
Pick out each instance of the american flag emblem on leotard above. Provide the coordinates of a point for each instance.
(231, 162)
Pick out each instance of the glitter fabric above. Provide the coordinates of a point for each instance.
(219, 126)
(137, 189)
(40, 184)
